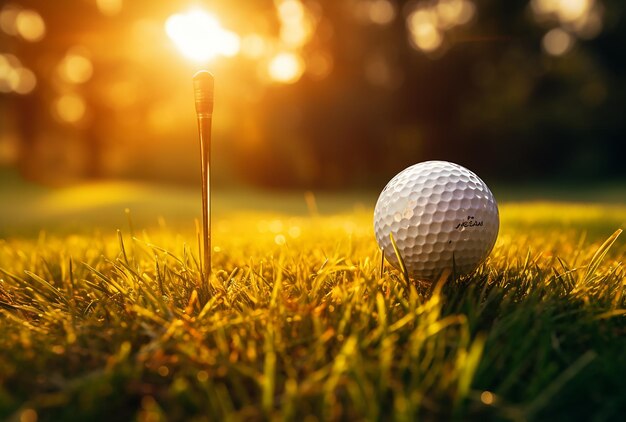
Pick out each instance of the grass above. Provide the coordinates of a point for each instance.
(298, 322)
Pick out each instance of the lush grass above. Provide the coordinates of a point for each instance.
(297, 321)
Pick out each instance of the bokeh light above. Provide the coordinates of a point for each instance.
(286, 68)
(7, 80)
(581, 18)
(566, 10)
(25, 81)
(9, 149)
(8, 19)
(4, 66)
(110, 7)
(253, 46)
(449, 12)
(6, 73)
(200, 37)
(590, 25)
(423, 29)
(76, 67)
(557, 42)
(379, 71)
(14, 77)
(380, 12)
(428, 22)
(30, 25)
(70, 108)
(290, 10)
(297, 24)
(487, 397)
(319, 65)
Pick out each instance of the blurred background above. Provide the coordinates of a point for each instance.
(312, 94)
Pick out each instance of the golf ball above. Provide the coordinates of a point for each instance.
(441, 216)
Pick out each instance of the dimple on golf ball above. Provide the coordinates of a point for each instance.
(442, 216)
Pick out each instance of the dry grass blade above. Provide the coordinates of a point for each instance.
(107, 280)
(405, 273)
(597, 258)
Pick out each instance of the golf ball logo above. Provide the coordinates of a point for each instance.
(470, 222)
(441, 215)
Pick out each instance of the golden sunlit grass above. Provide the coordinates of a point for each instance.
(297, 320)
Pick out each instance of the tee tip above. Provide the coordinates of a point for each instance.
(203, 92)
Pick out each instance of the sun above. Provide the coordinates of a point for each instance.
(200, 37)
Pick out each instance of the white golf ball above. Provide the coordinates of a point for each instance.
(441, 216)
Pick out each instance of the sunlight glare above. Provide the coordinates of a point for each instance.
(200, 37)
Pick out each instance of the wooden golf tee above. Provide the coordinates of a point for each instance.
(203, 93)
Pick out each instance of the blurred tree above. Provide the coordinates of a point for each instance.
(330, 93)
